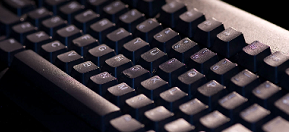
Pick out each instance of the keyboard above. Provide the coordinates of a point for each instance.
(141, 65)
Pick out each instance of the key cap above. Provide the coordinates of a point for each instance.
(54, 5)
(210, 92)
(215, 121)
(170, 12)
(188, 22)
(156, 118)
(82, 44)
(172, 98)
(53, 24)
(131, 19)
(170, 70)
(137, 105)
(203, 60)
(152, 87)
(223, 71)
(231, 104)
(179, 125)
(119, 93)
(7, 20)
(147, 29)
(190, 81)
(273, 65)
(38, 15)
(20, 31)
(237, 128)
(118, 38)
(165, 39)
(19, 7)
(100, 29)
(133, 76)
(134, 48)
(282, 107)
(67, 34)
(254, 117)
(8, 48)
(125, 123)
(36, 40)
(207, 31)
(115, 65)
(69, 10)
(229, 42)
(150, 7)
(99, 54)
(51, 50)
(101, 82)
(192, 111)
(85, 19)
(252, 55)
(67, 60)
(86, 103)
(244, 82)
(277, 124)
(97, 5)
(113, 10)
(183, 49)
(83, 71)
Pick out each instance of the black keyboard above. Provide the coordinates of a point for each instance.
(141, 65)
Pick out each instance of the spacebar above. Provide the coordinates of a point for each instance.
(76, 97)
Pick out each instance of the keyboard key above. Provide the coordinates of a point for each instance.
(85, 19)
(36, 40)
(179, 125)
(119, 93)
(133, 76)
(210, 92)
(83, 71)
(67, 60)
(152, 87)
(254, 117)
(156, 118)
(266, 94)
(54, 5)
(252, 55)
(273, 65)
(231, 104)
(100, 29)
(8, 48)
(237, 128)
(165, 39)
(190, 81)
(215, 121)
(183, 49)
(114, 10)
(134, 48)
(207, 31)
(118, 38)
(172, 98)
(277, 124)
(131, 19)
(223, 71)
(203, 60)
(20, 31)
(7, 20)
(152, 59)
(101, 82)
(115, 65)
(244, 82)
(51, 50)
(192, 111)
(189, 21)
(69, 10)
(125, 123)
(137, 105)
(82, 44)
(97, 5)
(38, 15)
(147, 29)
(67, 34)
(229, 42)
(169, 15)
(19, 7)
(150, 7)
(53, 24)
(282, 107)
(99, 54)
(170, 70)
